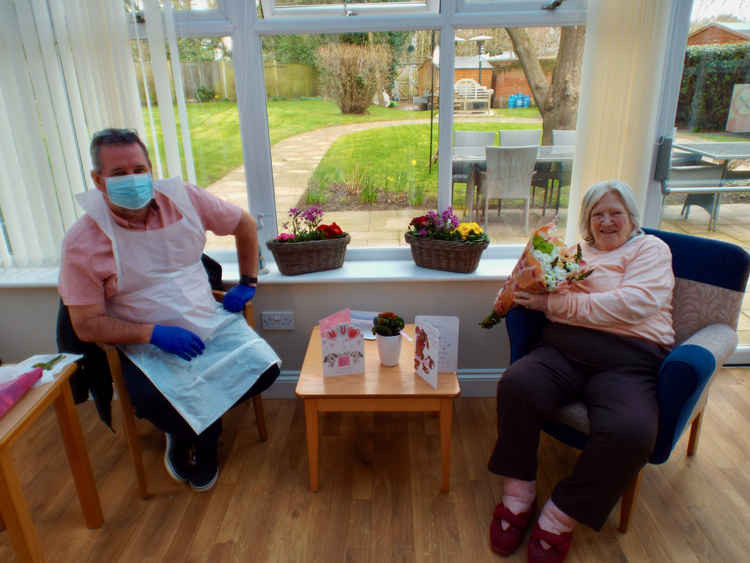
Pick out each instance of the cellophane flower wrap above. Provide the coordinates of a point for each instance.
(545, 265)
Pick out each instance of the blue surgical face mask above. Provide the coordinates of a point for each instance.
(134, 191)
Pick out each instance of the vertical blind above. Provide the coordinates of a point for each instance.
(67, 72)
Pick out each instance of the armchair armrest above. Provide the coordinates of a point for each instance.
(682, 379)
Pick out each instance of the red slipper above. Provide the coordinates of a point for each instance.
(559, 546)
(507, 541)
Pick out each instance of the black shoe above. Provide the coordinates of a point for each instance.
(177, 459)
(205, 470)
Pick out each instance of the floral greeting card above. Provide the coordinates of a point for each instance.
(427, 353)
(343, 350)
(447, 327)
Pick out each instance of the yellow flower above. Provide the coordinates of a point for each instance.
(465, 229)
(413, 162)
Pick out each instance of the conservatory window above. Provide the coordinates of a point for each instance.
(318, 8)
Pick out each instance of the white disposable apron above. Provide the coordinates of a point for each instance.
(160, 279)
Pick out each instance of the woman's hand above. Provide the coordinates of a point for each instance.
(535, 301)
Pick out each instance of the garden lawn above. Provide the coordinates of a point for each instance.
(395, 158)
(392, 159)
(215, 130)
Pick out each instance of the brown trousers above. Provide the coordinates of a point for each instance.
(615, 377)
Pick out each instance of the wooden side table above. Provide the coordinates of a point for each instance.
(379, 389)
(13, 507)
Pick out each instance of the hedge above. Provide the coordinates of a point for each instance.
(709, 74)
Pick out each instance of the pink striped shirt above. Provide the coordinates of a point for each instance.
(88, 273)
(628, 293)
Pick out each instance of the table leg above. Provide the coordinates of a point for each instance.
(469, 197)
(15, 512)
(714, 213)
(311, 422)
(78, 458)
(476, 192)
(446, 424)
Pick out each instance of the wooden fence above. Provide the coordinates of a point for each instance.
(282, 80)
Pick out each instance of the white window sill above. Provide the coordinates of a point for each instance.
(29, 277)
(362, 265)
(368, 265)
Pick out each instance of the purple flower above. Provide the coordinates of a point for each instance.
(312, 215)
(422, 233)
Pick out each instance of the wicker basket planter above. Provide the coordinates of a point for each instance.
(447, 255)
(294, 258)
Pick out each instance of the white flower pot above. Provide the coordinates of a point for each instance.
(389, 349)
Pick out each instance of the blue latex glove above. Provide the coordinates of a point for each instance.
(236, 297)
(176, 340)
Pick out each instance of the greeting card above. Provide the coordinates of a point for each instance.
(363, 321)
(448, 329)
(342, 316)
(426, 351)
(343, 349)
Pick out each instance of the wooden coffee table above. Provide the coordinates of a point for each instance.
(379, 389)
(17, 420)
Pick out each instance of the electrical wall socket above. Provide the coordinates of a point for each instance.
(277, 320)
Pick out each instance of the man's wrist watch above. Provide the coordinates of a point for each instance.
(248, 280)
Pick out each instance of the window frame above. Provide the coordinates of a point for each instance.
(238, 19)
(349, 9)
(569, 8)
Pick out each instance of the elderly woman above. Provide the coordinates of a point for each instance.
(603, 343)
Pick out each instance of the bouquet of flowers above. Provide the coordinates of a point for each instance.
(446, 226)
(305, 225)
(544, 266)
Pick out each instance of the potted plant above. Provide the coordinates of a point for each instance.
(387, 328)
(309, 245)
(439, 241)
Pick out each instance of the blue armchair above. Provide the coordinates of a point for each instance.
(710, 283)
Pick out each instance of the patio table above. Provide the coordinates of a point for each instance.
(723, 152)
(476, 159)
(708, 197)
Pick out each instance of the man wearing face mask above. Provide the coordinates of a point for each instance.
(132, 275)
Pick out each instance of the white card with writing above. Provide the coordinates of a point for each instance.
(448, 328)
(343, 350)
(363, 321)
(426, 350)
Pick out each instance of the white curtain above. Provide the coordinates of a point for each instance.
(67, 72)
(623, 61)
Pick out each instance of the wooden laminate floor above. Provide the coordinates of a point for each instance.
(379, 496)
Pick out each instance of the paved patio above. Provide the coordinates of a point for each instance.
(294, 159)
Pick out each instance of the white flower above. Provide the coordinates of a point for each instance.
(555, 275)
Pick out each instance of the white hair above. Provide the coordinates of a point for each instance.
(598, 191)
